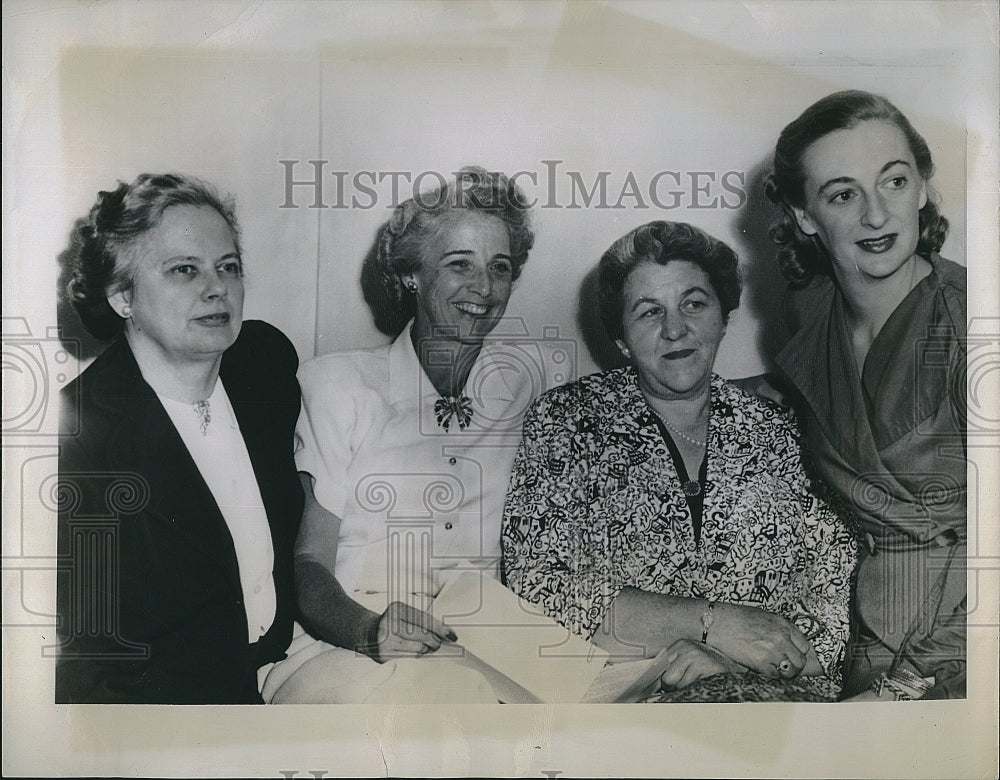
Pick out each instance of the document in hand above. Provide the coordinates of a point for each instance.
(527, 656)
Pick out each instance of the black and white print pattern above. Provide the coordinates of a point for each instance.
(595, 505)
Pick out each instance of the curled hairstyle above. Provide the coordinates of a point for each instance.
(802, 256)
(399, 246)
(103, 253)
(661, 242)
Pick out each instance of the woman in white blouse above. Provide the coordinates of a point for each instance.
(405, 451)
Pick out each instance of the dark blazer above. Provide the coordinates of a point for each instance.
(149, 598)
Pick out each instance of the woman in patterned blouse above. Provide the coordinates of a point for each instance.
(658, 506)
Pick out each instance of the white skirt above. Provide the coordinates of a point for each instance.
(319, 673)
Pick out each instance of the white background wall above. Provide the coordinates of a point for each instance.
(96, 92)
(623, 89)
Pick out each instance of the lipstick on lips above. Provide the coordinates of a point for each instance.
(679, 354)
(477, 309)
(877, 246)
(214, 320)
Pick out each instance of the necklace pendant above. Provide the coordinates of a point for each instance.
(204, 412)
(691, 488)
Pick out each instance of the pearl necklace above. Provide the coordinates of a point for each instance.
(680, 433)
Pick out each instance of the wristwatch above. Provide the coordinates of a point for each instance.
(706, 621)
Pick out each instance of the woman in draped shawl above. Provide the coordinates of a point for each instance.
(877, 354)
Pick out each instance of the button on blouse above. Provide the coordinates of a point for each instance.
(369, 436)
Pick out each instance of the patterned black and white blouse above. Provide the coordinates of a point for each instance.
(595, 505)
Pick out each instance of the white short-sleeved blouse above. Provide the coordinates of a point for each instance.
(415, 500)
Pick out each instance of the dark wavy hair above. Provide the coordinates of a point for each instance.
(802, 256)
(399, 246)
(101, 258)
(661, 242)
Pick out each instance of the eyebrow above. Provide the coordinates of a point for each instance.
(849, 180)
(463, 252)
(189, 258)
(688, 291)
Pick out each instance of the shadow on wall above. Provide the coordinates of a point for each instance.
(602, 348)
(374, 291)
(763, 285)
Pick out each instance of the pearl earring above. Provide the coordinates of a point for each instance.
(411, 287)
(126, 311)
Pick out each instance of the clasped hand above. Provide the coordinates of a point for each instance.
(405, 631)
(750, 639)
(767, 643)
(688, 661)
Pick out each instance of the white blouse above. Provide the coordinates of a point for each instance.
(221, 456)
(415, 500)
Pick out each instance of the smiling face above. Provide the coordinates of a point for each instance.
(863, 195)
(186, 300)
(673, 324)
(464, 279)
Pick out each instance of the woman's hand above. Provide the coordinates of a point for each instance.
(404, 631)
(763, 641)
(689, 661)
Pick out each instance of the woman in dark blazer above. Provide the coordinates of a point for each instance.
(179, 499)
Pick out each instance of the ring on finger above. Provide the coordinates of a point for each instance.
(785, 666)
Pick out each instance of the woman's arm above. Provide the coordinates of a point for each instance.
(822, 613)
(556, 554)
(820, 602)
(329, 613)
(942, 653)
(752, 637)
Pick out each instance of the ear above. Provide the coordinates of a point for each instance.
(121, 302)
(623, 348)
(923, 194)
(805, 223)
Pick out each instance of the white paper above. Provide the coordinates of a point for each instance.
(517, 640)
